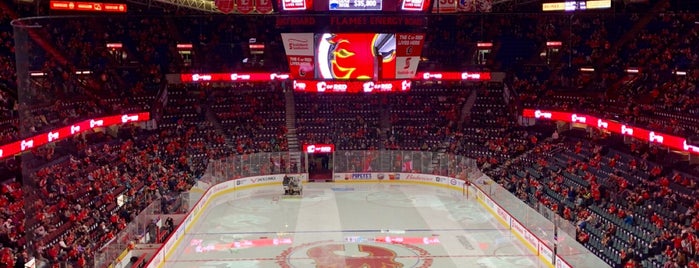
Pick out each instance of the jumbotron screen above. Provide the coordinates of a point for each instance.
(353, 56)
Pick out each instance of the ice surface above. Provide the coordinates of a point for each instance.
(350, 225)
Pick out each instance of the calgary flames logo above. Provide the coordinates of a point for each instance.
(338, 255)
(333, 254)
(354, 56)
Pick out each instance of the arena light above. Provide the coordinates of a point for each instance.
(587, 69)
(554, 43)
(318, 148)
(632, 70)
(184, 46)
(115, 45)
(484, 44)
(680, 73)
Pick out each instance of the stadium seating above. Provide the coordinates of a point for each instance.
(634, 200)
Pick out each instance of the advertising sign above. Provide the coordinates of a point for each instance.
(296, 5)
(68, 131)
(87, 6)
(351, 86)
(299, 48)
(318, 148)
(414, 5)
(673, 142)
(408, 52)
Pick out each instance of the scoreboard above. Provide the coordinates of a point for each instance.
(373, 5)
(292, 6)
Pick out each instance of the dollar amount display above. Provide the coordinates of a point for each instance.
(340, 5)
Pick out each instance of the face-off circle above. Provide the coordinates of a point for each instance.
(325, 254)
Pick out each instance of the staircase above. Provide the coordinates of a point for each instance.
(466, 110)
(292, 138)
(384, 124)
(213, 119)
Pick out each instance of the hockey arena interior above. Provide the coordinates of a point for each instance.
(349, 133)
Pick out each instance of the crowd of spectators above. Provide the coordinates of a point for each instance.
(627, 209)
(349, 122)
(644, 78)
(73, 210)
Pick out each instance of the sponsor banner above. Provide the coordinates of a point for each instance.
(299, 48)
(444, 6)
(87, 6)
(361, 176)
(290, 5)
(531, 238)
(670, 141)
(489, 202)
(244, 6)
(454, 76)
(241, 182)
(264, 179)
(351, 86)
(318, 148)
(518, 228)
(406, 67)
(69, 131)
(303, 66)
(264, 6)
(503, 214)
(560, 263)
(443, 180)
(232, 77)
(419, 177)
(409, 45)
(414, 5)
(298, 44)
(408, 52)
(355, 176)
(546, 252)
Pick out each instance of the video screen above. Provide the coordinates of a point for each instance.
(352, 5)
(355, 56)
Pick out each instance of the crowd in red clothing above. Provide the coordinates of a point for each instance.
(73, 208)
(629, 210)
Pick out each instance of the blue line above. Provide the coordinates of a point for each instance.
(352, 231)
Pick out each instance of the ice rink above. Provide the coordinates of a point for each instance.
(350, 225)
